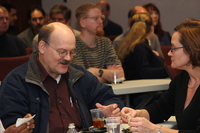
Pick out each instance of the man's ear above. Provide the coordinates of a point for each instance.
(82, 22)
(108, 13)
(41, 46)
(29, 21)
(68, 22)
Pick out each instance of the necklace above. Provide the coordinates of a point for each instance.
(194, 85)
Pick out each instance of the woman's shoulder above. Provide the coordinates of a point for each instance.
(143, 44)
(181, 77)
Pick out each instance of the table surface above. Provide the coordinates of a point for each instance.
(139, 86)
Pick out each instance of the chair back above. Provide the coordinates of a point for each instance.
(112, 38)
(172, 72)
(29, 51)
(9, 63)
(165, 50)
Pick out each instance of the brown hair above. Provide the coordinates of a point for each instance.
(60, 8)
(158, 28)
(190, 38)
(45, 32)
(140, 26)
(82, 10)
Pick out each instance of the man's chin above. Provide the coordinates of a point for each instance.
(100, 32)
(63, 71)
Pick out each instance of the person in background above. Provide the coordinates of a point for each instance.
(95, 53)
(57, 92)
(138, 60)
(58, 13)
(13, 30)
(110, 28)
(182, 97)
(154, 42)
(10, 45)
(61, 13)
(36, 19)
(164, 37)
(24, 128)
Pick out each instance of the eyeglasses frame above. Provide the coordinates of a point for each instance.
(62, 54)
(172, 49)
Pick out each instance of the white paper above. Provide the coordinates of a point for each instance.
(1, 128)
(21, 121)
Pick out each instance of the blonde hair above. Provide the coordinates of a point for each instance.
(3, 8)
(140, 27)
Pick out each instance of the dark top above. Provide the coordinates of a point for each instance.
(11, 46)
(112, 29)
(13, 30)
(142, 63)
(172, 102)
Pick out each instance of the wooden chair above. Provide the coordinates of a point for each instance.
(172, 71)
(9, 63)
(165, 50)
(111, 37)
(29, 51)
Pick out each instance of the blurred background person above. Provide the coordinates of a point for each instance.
(110, 28)
(138, 59)
(164, 37)
(58, 13)
(10, 45)
(155, 44)
(12, 19)
(36, 19)
(95, 53)
(61, 13)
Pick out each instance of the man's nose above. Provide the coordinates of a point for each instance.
(5, 20)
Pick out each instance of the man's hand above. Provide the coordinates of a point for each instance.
(111, 110)
(24, 128)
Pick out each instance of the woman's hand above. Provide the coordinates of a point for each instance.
(142, 125)
(127, 113)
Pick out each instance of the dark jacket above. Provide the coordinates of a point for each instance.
(22, 92)
(142, 63)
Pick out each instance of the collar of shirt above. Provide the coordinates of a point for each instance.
(43, 72)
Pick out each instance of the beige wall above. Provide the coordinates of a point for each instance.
(172, 11)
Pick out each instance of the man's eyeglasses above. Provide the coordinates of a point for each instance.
(172, 49)
(63, 53)
(97, 18)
